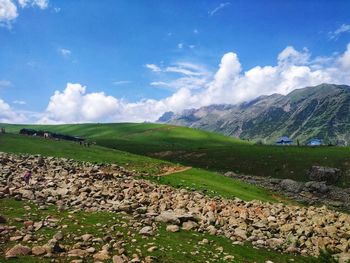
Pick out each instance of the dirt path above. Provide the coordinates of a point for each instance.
(175, 169)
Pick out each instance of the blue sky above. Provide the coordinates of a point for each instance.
(173, 53)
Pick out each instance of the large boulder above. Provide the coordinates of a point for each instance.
(324, 174)
(18, 250)
(168, 217)
(291, 186)
(319, 187)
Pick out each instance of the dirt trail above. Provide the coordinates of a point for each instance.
(173, 170)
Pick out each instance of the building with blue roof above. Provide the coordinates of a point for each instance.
(314, 142)
(284, 141)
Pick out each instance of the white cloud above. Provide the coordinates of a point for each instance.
(180, 45)
(9, 115)
(5, 83)
(290, 56)
(8, 12)
(121, 82)
(344, 28)
(193, 76)
(42, 4)
(19, 102)
(187, 68)
(229, 84)
(345, 58)
(65, 52)
(75, 105)
(218, 8)
(180, 83)
(195, 31)
(153, 67)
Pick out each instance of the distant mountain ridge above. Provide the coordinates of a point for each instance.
(321, 111)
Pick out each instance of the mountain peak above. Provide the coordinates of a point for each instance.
(321, 111)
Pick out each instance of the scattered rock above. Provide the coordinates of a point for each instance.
(153, 248)
(38, 250)
(91, 250)
(77, 253)
(291, 185)
(111, 188)
(189, 225)
(241, 233)
(102, 255)
(86, 237)
(172, 228)
(18, 250)
(118, 259)
(168, 217)
(58, 236)
(146, 231)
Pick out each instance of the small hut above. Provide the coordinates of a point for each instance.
(314, 142)
(284, 141)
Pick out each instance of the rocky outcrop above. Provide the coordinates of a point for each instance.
(324, 174)
(92, 187)
(291, 185)
(312, 192)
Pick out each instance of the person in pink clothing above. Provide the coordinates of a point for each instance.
(26, 177)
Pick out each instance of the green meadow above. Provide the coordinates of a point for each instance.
(206, 150)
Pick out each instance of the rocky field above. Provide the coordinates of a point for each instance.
(97, 188)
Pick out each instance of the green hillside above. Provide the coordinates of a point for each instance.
(206, 150)
(208, 182)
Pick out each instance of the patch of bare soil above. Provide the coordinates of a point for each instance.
(173, 169)
(185, 154)
(166, 153)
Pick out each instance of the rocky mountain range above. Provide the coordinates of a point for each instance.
(321, 111)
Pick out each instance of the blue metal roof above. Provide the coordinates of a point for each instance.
(314, 142)
(284, 139)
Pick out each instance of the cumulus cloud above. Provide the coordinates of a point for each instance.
(42, 4)
(9, 115)
(193, 86)
(8, 12)
(75, 105)
(345, 58)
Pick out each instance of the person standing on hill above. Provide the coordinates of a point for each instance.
(26, 177)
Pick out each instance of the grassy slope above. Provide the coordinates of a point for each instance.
(177, 247)
(214, 185)
(207, 150)
(197, 179)
(35, 145)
